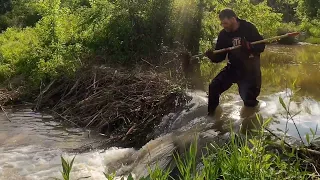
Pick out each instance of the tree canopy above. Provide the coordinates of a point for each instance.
(46, 38)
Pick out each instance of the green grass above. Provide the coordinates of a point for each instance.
(242, 158)
(313, 40)
(66, 168)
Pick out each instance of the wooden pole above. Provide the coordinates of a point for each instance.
(256, 42)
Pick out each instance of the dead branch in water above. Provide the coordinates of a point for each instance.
(4, 111)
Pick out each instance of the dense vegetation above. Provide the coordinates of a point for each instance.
(45, 40)
(42, 39)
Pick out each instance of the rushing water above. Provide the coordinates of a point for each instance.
(32, 143)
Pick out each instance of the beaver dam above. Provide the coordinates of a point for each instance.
(126, 122)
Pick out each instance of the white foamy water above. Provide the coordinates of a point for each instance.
(35, 162)
(270, 107)
(31, 145)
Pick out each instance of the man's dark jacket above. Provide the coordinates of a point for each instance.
(238, 59)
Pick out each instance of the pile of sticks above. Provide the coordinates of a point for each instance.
(117, 102)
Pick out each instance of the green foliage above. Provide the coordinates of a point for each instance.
(261, 15)
(128, 31)
(157, 174)
(45, 51)
(287, 8)
(313, 40)
(5, 6)
(110, 176)
(311, 28)
(17, 47)
(241, 158)
(66, 168)
(187, 23)
(309, 13)
(287, 28)
(20, 13)
(187, 165)
(49, 38)
(309, 9)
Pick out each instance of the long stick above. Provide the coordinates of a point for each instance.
(5, 113)
(256, 42)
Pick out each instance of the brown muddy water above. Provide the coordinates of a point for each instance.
(32, 143)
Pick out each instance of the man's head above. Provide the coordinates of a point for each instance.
(228, 19)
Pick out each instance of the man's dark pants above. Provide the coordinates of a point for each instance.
(248, 80)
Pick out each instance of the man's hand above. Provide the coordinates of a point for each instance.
(246, 46)
(209, 53)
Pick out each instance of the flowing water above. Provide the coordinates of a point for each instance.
(32, 143)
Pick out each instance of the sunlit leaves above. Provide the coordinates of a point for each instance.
(260, 14)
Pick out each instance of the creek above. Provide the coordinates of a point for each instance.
(32, 143)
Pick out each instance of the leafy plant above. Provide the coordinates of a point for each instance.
(110, 176)
(66, 168)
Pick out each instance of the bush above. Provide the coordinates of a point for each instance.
(120, 32)
(287, 28)
(17, 47)
(311, 28)
(313, 40)
(45, 51)
(127, 32)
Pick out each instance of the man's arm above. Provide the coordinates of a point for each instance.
(219, 57)
(254, 35)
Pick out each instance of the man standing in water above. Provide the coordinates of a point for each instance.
(243, 67)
